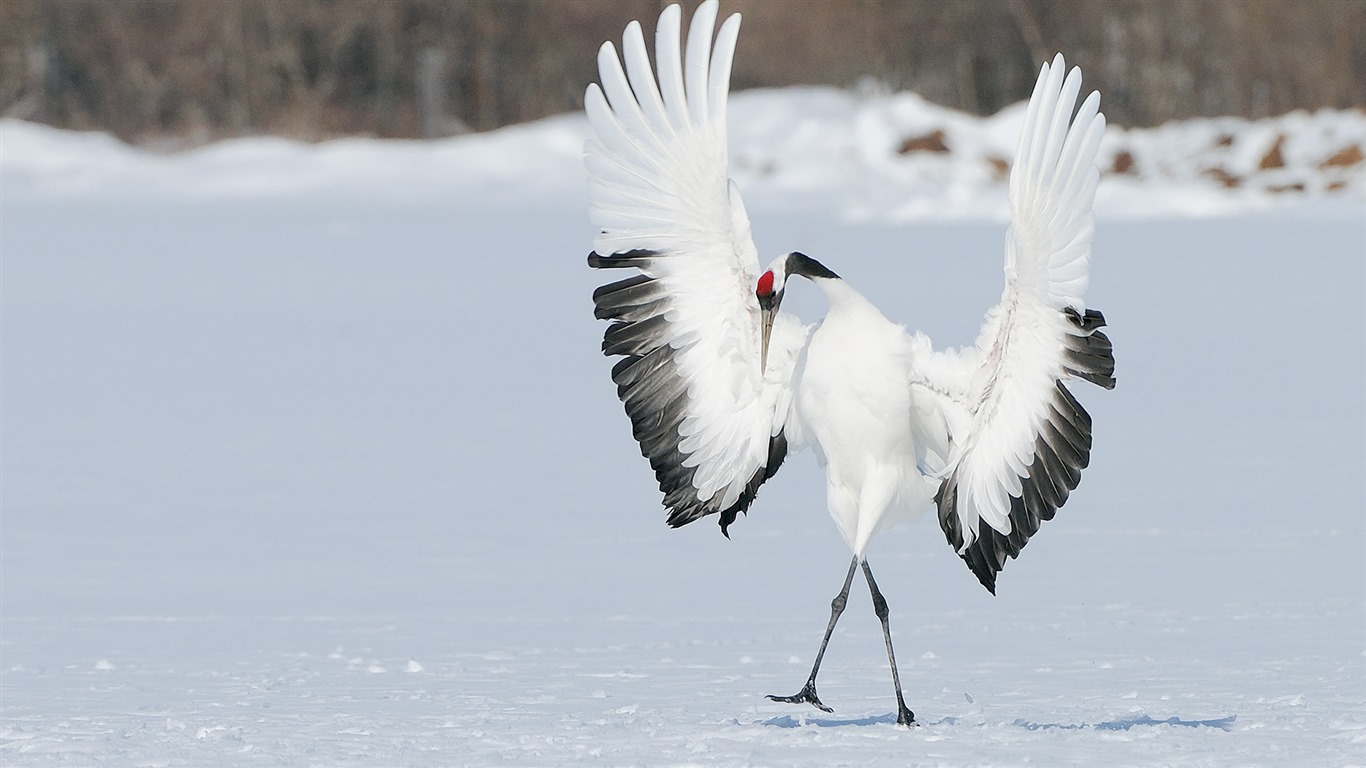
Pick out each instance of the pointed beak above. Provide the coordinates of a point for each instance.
(768, 307)
(768, 313)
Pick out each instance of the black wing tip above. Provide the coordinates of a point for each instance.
(1062, 449)
(727, 519)
(987, 579)
(1088, 321)
(946, 498)
(687, 509)
(692, 511)
(777, 453)
(610, 288)
(981, 560)
(1090, 355)
(636, 257)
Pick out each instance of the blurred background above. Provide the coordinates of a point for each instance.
(157, 71)
(310, 456)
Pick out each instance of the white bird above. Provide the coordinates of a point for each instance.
(718, 383)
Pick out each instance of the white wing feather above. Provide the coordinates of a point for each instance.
(662, 202)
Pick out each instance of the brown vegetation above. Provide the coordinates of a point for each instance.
(1224, 177)
(201, 69)
(1273, 157)
(1346, 157)
(1124, 162)
(930, 142)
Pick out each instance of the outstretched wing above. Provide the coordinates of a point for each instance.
(688, 324)
(1022, 439)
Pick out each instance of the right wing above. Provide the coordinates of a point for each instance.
(688, 324)
(1019, 439)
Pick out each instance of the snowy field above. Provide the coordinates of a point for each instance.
(310, 458)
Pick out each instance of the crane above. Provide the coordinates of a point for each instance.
(719, 384)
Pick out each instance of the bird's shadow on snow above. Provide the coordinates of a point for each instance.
(789, 721)
(1119, 724)
(1128, 723)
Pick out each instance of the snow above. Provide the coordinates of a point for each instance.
(822, 150)
(310, 459)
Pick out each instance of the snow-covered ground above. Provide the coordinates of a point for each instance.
(309, 458)
(846, 156)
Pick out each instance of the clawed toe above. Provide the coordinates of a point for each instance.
(807, 695)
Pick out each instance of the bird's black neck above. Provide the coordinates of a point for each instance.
(800, 264)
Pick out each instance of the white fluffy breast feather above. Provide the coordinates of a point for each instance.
(852, 383)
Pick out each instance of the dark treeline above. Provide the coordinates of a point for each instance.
(195, 70)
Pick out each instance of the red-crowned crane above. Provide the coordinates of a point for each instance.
(718, 383)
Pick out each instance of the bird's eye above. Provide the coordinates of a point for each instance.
(765, 286)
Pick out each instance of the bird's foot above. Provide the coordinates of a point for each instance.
(807, 695)
(905, 716)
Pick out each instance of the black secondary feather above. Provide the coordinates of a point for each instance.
(1062, 449)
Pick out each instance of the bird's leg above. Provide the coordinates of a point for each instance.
(904, 716)
(808, 692)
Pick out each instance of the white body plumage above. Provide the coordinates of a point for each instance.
(855, 407)
(717, 381)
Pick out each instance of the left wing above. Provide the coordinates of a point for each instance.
(688, 325)
(1019, 439)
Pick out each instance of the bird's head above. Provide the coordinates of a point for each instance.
(773, 282)
(769, 291)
